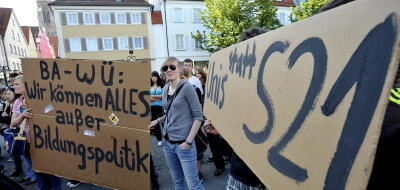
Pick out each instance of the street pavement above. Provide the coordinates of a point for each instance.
(210, 181)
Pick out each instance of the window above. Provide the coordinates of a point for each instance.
(26, 55)
(107, 43)
(123, 43)
(19, 51)
(196, 15)
(13, 22)
(15, 50)
(19, 37)
(75, 44)
(13, 35)
(88, 18)
(121, 18)
(11, 48)
(177, 15)
(282, 18)
(72, 19)
(197, 44)
(179, 42)
(138, 42)
(136, 18)
(91, 44)
(105, 18)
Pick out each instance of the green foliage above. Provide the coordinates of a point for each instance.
(226, 19)
(306, 9)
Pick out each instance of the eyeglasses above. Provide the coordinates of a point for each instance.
(165, 68)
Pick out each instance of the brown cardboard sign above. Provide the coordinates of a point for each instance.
(115, 157)
(90, 120)
(96, 87)
(303, 105)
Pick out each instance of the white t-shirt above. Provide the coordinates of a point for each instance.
(196, 82)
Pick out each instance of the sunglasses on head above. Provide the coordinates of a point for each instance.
(165, 68)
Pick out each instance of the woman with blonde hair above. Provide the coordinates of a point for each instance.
(21, 111)
(182, 120)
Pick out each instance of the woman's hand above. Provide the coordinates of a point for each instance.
(210, 127)
(185, 146)
(26, 113)
(4, 114)
(153, 124)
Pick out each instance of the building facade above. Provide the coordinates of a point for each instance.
(104, 30)
(13, 43)
(32, 51)
(46, 17)
(173, 37)
(43, 45)
(283, 13)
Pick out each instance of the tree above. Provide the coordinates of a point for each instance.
(226, 19)
(306, 9)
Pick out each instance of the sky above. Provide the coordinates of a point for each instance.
(25, 10)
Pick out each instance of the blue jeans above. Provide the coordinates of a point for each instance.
(182, 166)
(27, 167)
(48, 182)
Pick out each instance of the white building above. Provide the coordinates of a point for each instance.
(283, 13)
(12, 41)
(172, 36)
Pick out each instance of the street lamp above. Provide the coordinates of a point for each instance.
(5, 69)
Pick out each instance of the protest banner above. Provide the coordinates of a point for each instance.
(303, 105)
(90, 120)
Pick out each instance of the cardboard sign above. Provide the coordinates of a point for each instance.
(98, 88)
(303, 105)
(72, 134)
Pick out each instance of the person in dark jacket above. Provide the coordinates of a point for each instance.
(385, 172)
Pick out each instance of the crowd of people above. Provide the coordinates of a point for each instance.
(181, 128)
(14, 113)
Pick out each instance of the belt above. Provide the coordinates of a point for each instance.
(173, 142)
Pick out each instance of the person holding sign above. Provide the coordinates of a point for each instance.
(182, 120)
(21, 112)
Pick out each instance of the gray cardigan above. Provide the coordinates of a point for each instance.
(184, 110)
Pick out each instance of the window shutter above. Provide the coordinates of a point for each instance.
(80, 18)
(112, 16)
(63, 18)
(186, 42)
(143, 16)
(173, 44)
(171, 14)
(83, 44)
(187, 15)
(100, 43)
(66, 45)
(115, 43)
(128, 18)
(130, 42)
(145, 43)
(97, 18)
